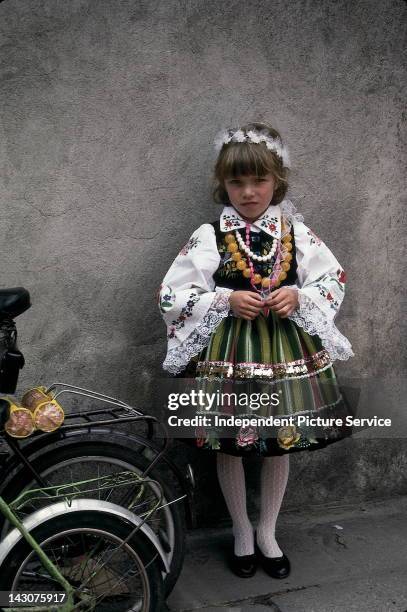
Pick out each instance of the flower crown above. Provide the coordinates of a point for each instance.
(273, 144)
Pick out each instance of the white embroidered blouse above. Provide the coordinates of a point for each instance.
(193, 306)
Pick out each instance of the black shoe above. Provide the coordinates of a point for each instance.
(276, 567)
(244, 566)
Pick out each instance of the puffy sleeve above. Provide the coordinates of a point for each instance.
(191, 306)
(321, 289)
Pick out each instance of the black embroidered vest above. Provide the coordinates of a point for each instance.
(228, 276)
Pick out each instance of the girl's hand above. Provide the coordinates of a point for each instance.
(246, 304)
(283, 301)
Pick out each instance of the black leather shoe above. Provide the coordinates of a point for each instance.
(244, 566)
(276, 567)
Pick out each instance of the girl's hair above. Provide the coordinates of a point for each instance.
(244, 158)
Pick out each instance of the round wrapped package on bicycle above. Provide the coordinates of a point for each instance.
(48, 414)
(33, 397)
(20, 422)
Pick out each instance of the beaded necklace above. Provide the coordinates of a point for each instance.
(243, 257)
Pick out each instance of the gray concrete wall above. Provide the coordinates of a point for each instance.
(108, 115)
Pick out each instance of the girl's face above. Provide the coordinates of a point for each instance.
(250, 195)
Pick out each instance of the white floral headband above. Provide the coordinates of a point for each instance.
(273, 144)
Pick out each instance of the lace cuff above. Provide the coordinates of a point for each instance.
(316, 323)
(178, 357)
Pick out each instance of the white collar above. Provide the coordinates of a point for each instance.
(269, 222)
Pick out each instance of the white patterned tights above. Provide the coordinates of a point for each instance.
(274, 477)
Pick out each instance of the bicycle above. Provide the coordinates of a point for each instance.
(91, 439)
(81, 553)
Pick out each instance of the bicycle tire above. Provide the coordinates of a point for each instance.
(112, 445)
(83, 521)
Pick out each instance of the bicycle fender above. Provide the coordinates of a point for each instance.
(39, 444)
(61, 508)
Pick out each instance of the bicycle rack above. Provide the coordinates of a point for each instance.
(119, 411)
(115, 412)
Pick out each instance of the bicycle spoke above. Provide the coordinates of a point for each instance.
(101, 567)
(90, 558)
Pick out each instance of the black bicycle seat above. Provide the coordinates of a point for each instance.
(14, 301)
(3, 412)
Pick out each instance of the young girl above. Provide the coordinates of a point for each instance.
(253, 297)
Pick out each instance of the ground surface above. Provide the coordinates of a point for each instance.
(352, 558)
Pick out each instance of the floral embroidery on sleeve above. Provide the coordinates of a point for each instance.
(166, 298)
(341, 276)
(192, 242)
(328, 296)
(186, 312)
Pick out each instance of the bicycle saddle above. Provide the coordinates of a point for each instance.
(3, 412)
(14, 301)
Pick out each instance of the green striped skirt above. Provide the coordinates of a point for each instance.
(269, 388)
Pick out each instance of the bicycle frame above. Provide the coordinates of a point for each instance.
(68, 606)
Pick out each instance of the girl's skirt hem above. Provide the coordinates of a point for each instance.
(269, 355)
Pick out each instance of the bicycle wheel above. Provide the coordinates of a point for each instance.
(88, 549)
(90, 455)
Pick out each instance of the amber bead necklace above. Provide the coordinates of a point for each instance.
(243, 258)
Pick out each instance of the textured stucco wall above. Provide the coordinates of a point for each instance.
(108, 114)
